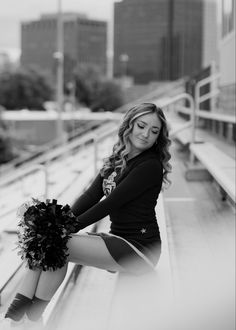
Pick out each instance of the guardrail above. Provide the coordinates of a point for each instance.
(24, 172)
(91, 138)
(192, 110)
(214, 92)
(208, 115)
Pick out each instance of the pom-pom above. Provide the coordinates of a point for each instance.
(44, 230)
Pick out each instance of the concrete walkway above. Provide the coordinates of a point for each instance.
(200, 228)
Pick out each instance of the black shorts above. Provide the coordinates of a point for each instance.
(132, 259)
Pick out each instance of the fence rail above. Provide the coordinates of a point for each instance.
(93, 138)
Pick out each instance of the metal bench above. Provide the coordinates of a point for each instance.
(220, 166)
(10, 265)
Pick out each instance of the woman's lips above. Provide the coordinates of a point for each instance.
(143, 141)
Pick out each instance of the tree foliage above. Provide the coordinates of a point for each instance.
(6, 148)
(24, 88)
(87, 79)
(95, 91)
(108, 96)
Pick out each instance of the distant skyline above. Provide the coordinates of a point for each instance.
(13, 12)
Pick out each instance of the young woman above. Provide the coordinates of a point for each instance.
(131, 180)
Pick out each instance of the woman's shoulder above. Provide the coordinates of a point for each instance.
(148, 162)
(149, 157)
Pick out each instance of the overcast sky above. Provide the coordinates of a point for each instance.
(12, 12)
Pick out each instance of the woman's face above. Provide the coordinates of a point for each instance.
(144, 133)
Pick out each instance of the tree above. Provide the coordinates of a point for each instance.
(96, 91)
(108, 97)
(87, 79)
(24, 88)
(6, 148)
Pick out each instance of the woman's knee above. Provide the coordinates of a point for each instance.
(91, 251)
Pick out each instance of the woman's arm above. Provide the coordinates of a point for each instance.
(141, 178)
(91, 196)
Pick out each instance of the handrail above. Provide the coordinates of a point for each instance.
(92, 137)
(179, 129)
(178, 98)
(97, 139)
(25, 171)
(209, 115)
(161, 91)
(199, 99)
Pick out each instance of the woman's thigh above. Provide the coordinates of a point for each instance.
(91, 250)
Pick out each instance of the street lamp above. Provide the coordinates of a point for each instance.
(124, 59)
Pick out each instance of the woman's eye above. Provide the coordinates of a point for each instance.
(140, 126)
(155, 132)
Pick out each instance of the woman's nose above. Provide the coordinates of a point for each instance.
(145, 133)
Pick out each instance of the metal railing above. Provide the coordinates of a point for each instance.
(214, 92)
(45, 160)
(24, 172)
(192, 109)
(21, 173)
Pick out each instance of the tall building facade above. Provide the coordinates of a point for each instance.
(227, 65)
(85, 42)
(159, 39)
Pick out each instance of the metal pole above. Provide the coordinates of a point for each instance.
(110, 43)
(95, 144)
(193, 120)
(60, 73)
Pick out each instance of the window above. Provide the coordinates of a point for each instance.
(228, 8)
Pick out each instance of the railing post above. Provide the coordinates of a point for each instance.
(193, 120)
(95, 143)
(197, 95)
(46, 180)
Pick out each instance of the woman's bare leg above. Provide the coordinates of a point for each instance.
(49, 282)
(29, 283)
(84, 250)
(23, 299)
(41, 285)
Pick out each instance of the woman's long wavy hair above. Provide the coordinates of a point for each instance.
(121, 149)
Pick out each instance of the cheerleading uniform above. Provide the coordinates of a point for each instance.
(130, 200)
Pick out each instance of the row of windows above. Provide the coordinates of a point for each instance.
(52, 23)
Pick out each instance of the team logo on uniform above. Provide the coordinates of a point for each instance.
(109, 183)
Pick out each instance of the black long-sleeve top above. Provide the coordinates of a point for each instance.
(130, 200)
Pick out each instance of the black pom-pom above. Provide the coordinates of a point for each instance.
(44, 230)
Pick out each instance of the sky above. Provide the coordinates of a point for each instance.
(12, 12)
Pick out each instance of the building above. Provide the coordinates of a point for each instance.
(85, 42)
(227, 58)
(162, 39)
(210, 33)
(4, 61)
